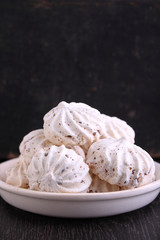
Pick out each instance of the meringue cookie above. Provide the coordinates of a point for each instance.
(31, 143)
(99, 186)
(73, 124)
(121, 163)
(78, 150)
(58, 169)
(117, 128)
(16, 176)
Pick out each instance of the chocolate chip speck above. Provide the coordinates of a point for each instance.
(69, 136)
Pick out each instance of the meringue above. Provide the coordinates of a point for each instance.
(81, 150)
(73, 124)
(58, 169)
(98, 185)
(31, 143)
(117, 128)
(16, 176)
(121, 163)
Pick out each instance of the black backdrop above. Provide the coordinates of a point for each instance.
(102, 53)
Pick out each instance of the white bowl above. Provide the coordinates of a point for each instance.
(80, 205)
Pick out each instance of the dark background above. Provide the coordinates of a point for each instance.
(103, 53)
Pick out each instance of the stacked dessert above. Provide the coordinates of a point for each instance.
(81, 150)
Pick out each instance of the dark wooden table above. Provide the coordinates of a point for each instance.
(142, 224)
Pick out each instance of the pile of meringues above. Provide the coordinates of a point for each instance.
(81, 150)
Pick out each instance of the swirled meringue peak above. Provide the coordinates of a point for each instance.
(117, 128)
(31, 143)
(58, 169)
(73, 124)
(121, 163)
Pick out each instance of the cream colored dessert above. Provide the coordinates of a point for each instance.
(58, 169)
(73, 124)
(16, 176)
(121, 163)
(117, 128)
(78, 150)
(81, 150)
(32, 142)
(36, 140)
(99, 186)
